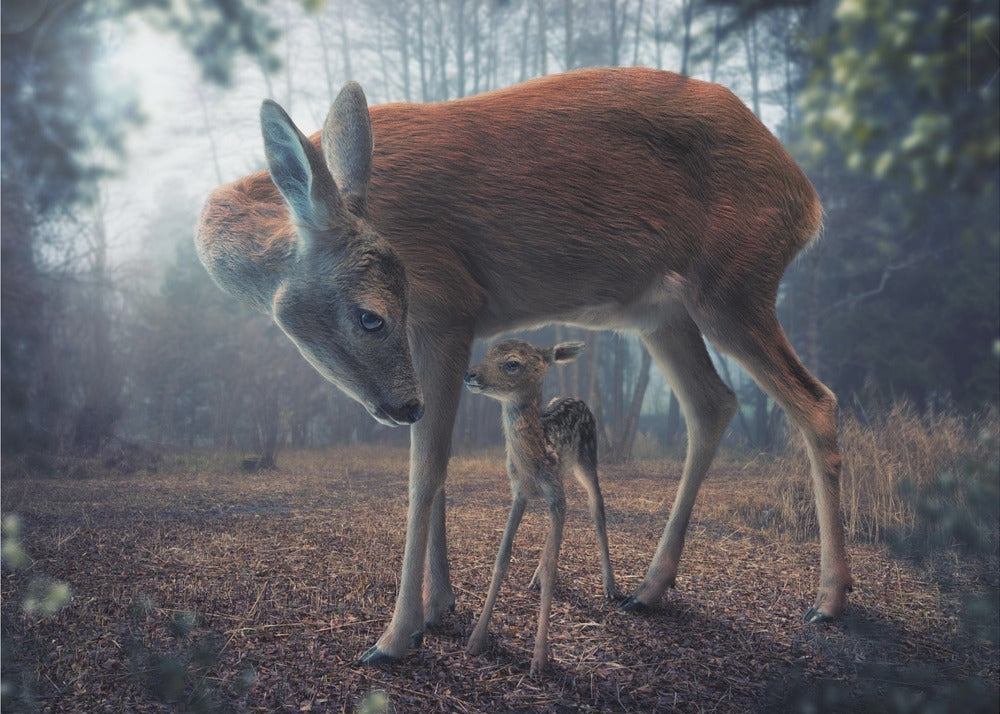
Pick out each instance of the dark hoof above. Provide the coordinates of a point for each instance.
(417, 638)
(377, 658)
(633, 604)
(815, 617)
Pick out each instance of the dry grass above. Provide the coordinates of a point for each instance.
(887, 463)
(203, 588)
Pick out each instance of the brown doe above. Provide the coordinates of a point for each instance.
(622, 198)
(542, 445)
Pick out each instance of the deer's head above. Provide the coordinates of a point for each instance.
(514, 369)
(343, 297)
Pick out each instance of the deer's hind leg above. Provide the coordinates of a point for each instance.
(752, 335)
(586, 473)
(708, 404)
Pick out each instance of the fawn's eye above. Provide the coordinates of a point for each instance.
(370, 321)
(512, 365)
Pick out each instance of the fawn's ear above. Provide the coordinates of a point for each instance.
(347, 145)
(566, 352)
(298, 170)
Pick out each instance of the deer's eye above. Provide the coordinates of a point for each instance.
(512, 365)
(370, 321)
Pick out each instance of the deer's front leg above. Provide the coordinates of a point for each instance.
(438, 596)
(440, 365)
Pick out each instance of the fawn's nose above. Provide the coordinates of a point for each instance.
(471, 376)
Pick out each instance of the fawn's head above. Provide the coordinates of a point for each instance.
(343, 298)
(514, 369)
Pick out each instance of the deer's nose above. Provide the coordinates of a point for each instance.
(413, 410)
(471, 376)
(407, 413)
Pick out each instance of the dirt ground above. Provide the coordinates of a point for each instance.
(203, 588)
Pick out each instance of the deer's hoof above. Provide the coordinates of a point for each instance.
(816, 617)
(377, 658)
(633, 604)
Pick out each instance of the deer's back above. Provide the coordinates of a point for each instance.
(574, 197)
(585, 189)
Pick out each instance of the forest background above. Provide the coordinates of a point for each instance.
(119, 117)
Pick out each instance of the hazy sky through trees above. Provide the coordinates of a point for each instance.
(191, 125)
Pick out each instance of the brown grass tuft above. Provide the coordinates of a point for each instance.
(886, 460)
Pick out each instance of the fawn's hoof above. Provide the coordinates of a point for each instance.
(377, 658)
(816, 617)
(633, 604)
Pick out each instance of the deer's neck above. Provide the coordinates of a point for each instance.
(522, 423)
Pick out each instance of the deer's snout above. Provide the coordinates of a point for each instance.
(407, 413)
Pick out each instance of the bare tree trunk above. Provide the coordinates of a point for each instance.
(618, 396)
(716, 40)
(753, 62)
(618, 13)
(442, 47)
(673, 419)
(569, 45)
(687, 15)
(381, 55)
(524, 43)
(732, 385)
(624, 451)
(98, 416)
(460, 46)
(594, 386)
(543, 50)
(422, 59)
(209, 133)
(345, 44)
(288, 60)
(561, 374)
(638, 34)
(657, 35)
(403, 32)
(321, 34)
(476, 47)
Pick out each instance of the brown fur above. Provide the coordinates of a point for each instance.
(624, 198)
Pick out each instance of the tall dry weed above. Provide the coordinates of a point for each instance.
(887, 459)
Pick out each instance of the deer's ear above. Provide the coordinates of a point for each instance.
(298, 170)
(347, 145)
(566, 352)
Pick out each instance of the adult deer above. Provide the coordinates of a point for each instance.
(608, 198)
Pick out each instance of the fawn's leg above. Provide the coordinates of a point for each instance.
(478, 638)
(550, 559)
(586, 474)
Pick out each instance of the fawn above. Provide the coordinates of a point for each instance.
(541, 446)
